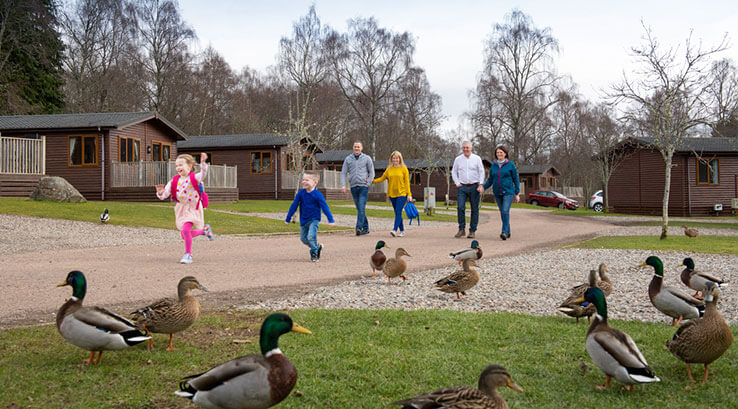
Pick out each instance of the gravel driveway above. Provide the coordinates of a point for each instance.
(128, 267)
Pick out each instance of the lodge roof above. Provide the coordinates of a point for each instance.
(232, 141)
(99, 120)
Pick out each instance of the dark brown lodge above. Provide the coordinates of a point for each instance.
(705, 174)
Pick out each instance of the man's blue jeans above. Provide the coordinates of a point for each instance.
(360, 195)
(462, 194)
(309, 235)
(503, 204)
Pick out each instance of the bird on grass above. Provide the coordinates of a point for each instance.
(690, 232)
(459, 281)
(474, 252)
(697, 280)
(466, 397)
(612, 350)
(705, 339)
(671, 301)
(255, 381)
(396, 266)
(168, 316)
(92, 328)
(105, 216)
(377, 259)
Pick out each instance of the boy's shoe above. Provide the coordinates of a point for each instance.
(358, 232)
(320, 248)
(208, 232)
(401, 233)
(186, 259)
(393, 233)
(313, 257)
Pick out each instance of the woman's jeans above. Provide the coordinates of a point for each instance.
(504, 203)
(360, 195)
(398, 203)
(309, 235)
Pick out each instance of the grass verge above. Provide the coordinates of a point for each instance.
(362, 359)
(703, 244)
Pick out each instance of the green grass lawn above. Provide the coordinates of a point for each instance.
(362, 359)
(675, 242)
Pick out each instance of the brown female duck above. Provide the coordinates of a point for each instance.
(168, 316)
(466, 397)
(460, 281)
(572, 307)
(396, 266)
(705, 339)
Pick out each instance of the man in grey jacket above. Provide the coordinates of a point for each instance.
(361, 173)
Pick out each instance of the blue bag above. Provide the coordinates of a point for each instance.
(412, 212)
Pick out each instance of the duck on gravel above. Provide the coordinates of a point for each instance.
(671, 301)
(460, 281)
(473, 252)
(396, 266)
(697, 280)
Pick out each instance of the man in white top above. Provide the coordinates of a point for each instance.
(468, 175)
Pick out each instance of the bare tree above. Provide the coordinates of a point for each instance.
(519, 66)
(367, 62)
(163, 52)
(487, 114)
(664, 99)
(605, 133)
(96, 33)
(722, 97)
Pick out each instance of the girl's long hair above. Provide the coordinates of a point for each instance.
(189, 159)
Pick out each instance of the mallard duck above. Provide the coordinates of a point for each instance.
(168, 315)
(396, 266)
(705, 339)
(460, 281)
(466, 397)
(612, 350)
(474, 252)
(377, 260)
(689, 232)
(574, 308)
(105, 217)
(92, 328)
(697, 280)
(668, 300)
(251, 381)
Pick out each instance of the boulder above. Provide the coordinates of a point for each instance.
(56, 189)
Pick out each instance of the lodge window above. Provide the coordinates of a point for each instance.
(83, 150)
(261, 163)
(416, 177)
(209, 160)
(708, 172)
(129, 149)
(160, 151)
(528, 181)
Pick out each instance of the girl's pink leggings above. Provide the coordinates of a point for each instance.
(187, 234)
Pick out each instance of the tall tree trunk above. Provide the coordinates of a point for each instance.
(667, 187)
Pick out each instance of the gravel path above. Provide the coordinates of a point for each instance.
(520, 275)
(532, 283)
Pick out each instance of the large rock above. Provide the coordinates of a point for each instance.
(56, 189)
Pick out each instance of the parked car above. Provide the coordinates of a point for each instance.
(549, 198)
(596, 203)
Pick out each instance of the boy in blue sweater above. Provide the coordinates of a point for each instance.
(311, 202)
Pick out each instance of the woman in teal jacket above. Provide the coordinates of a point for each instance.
(503, 177)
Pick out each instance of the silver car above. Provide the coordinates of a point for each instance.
(595, 202)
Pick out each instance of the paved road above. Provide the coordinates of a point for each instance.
(238, 270)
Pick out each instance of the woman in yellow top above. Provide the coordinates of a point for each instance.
(398, 189)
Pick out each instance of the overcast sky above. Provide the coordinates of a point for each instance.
(594, 36)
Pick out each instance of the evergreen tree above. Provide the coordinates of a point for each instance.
(30, 57)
